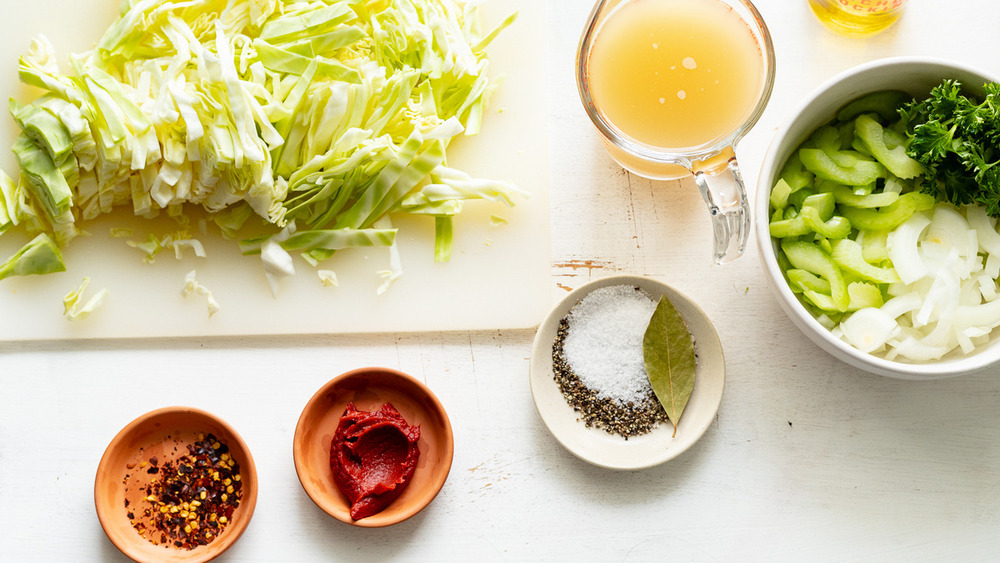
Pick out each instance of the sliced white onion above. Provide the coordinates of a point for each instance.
(987, 314)
(869, 329)
(898, 306)
(973, 262)
(989, 239)
(992, 266)
(944, 296)
(950, 229)
(987, 287)
(949, 297)
(903, 249)
(913, 349)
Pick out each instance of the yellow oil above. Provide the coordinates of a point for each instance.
(675, 74)
(858, 17)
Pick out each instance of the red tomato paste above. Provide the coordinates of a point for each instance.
(373, 456)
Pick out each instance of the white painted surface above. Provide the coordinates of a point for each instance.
(808, 460)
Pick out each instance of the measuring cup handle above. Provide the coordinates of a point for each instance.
(726, 198)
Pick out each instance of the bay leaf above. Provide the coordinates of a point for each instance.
(668, 353)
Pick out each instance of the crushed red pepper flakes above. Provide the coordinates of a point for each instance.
(191, 499)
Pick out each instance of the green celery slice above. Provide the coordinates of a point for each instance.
(883, 102)
(811, 258)
(823, 203)
(795, 174)
(807, 221)
(864, 295)
(845, 195)
(849, 255)
(874, 246)
(802, 280)
(890, 217)
(872, 135)
(823, 165)
(779, 194)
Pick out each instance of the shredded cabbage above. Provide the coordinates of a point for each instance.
(332, 114)
(328, 278)
(74, 309)
(40, 256)
(192, 286)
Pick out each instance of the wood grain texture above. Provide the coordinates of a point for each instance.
(808, 460)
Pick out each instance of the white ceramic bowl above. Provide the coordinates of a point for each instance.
(646, 450)
(915, 76)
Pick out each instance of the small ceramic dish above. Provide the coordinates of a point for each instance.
(369, 389)
(638, 452)
(122, 476)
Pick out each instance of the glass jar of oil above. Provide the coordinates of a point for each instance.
(858, 16)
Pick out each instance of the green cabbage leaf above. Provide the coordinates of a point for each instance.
(320, 118)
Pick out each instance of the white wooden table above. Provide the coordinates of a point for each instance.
(808, 460)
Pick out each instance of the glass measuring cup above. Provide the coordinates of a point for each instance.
(688, 123)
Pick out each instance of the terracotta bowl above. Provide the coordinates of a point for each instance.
(164, 433)
(369, 389)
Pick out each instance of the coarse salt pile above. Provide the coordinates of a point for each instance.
(603, 346)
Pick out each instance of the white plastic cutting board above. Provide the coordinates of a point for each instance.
(498, 276)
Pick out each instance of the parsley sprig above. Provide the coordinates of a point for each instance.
(957, 140)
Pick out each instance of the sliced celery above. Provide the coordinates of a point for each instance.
(821, 300)
(846, 131)
(778, 215)
(823, 165)
(884, 103)
(872, 136)
(874, 248)
(832, 215)
(798, 197)
(816, 216)
(892, 137)
(858, 145)
(783, 262)
(811, 258)
(779, 194)
(845, 195)
(795, 174)
(888, 218)
(801, 280)
(824, 244)
(823, 203)
(849, 255)
(864, 295)
(826, 138)
(807, 221)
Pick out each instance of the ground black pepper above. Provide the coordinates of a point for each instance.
(610, 415)
(192, 498)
